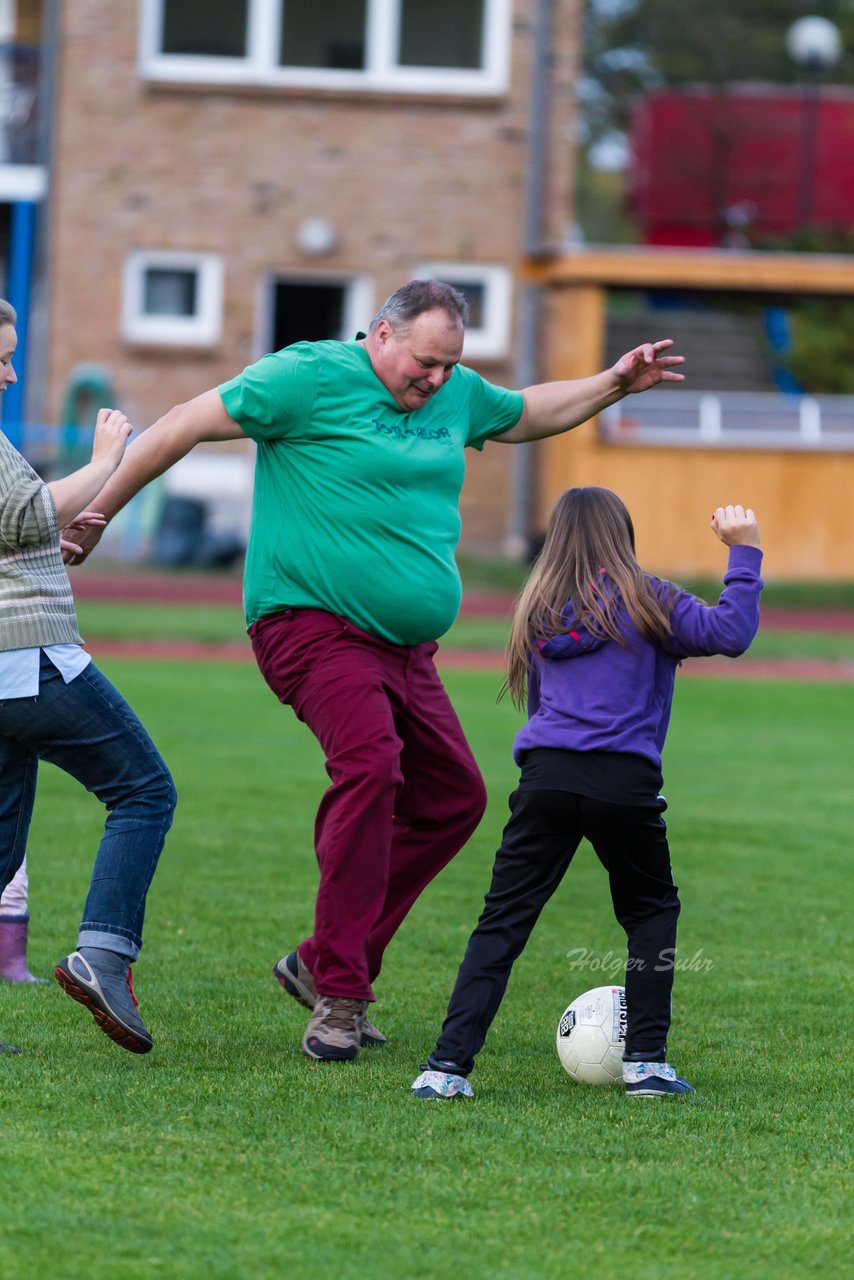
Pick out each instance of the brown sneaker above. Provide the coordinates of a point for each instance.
(372, 1037)
(296, 979)
(334, 1030)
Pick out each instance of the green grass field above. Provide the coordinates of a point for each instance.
(224, 1154)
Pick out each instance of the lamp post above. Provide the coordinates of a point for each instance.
(816, 45)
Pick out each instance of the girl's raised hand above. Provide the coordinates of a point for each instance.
(736, 526)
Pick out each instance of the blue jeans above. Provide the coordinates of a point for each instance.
(88, 730)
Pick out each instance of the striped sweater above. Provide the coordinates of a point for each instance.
(36, 604)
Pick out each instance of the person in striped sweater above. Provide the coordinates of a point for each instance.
(55, 705)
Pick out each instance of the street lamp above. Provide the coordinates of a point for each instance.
(816, 45)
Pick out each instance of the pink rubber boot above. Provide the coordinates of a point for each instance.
(13, 950)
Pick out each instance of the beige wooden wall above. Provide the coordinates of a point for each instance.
(804, 500)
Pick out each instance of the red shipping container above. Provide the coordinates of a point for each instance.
(713, 167)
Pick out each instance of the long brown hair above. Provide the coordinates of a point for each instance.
(590, 537)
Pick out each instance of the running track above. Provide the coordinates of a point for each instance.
(169, 588)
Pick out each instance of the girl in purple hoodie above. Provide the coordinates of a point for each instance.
(595, 644)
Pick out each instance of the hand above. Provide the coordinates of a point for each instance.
(86, 520)
(736, 526)
(112, 430)
(87, 535)
(646, 366)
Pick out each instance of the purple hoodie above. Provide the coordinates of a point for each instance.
(616, 698)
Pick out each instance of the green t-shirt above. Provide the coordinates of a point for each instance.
(356, 505)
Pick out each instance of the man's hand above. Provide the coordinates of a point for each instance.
(736, 526)
(646, 366)
(554, 407)
(70, 540)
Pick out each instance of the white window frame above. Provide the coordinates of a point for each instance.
(491, 340)
(200, 330)
(381, 73)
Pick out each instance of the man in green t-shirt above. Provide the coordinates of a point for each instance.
(350, 579)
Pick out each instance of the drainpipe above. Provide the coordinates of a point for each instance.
(517, 536)
(38, 355)
(21, 236)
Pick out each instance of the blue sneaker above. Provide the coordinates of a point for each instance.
(652, 1080)
(441, 1084)
(8, 1048)
(101, 980)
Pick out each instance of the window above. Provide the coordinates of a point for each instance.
(324, 33)
(169, 291)
(223, 33)
(172, 298)
(488, 291)
(444, 33)
(310, 308)
(433, 46)
(756, 380)
(731, 420)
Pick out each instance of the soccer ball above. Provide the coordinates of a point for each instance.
(591, 1036)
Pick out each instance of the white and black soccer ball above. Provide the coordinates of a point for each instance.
(591, 1036)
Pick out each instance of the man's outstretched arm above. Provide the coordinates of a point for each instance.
(554, 407)
(153, 452)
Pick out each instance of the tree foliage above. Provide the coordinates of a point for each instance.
(635, 45)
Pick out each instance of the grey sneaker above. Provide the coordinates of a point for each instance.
(8, 1048)
(102, 981)
(296, 979)
(334, 1029)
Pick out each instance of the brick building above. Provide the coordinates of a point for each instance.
(213, 180)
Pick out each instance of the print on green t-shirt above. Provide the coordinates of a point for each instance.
(356, 505)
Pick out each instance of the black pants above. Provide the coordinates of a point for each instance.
(540, 839)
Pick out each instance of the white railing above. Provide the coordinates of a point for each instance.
(731, 420)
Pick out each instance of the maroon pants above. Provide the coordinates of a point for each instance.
(406, 792)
